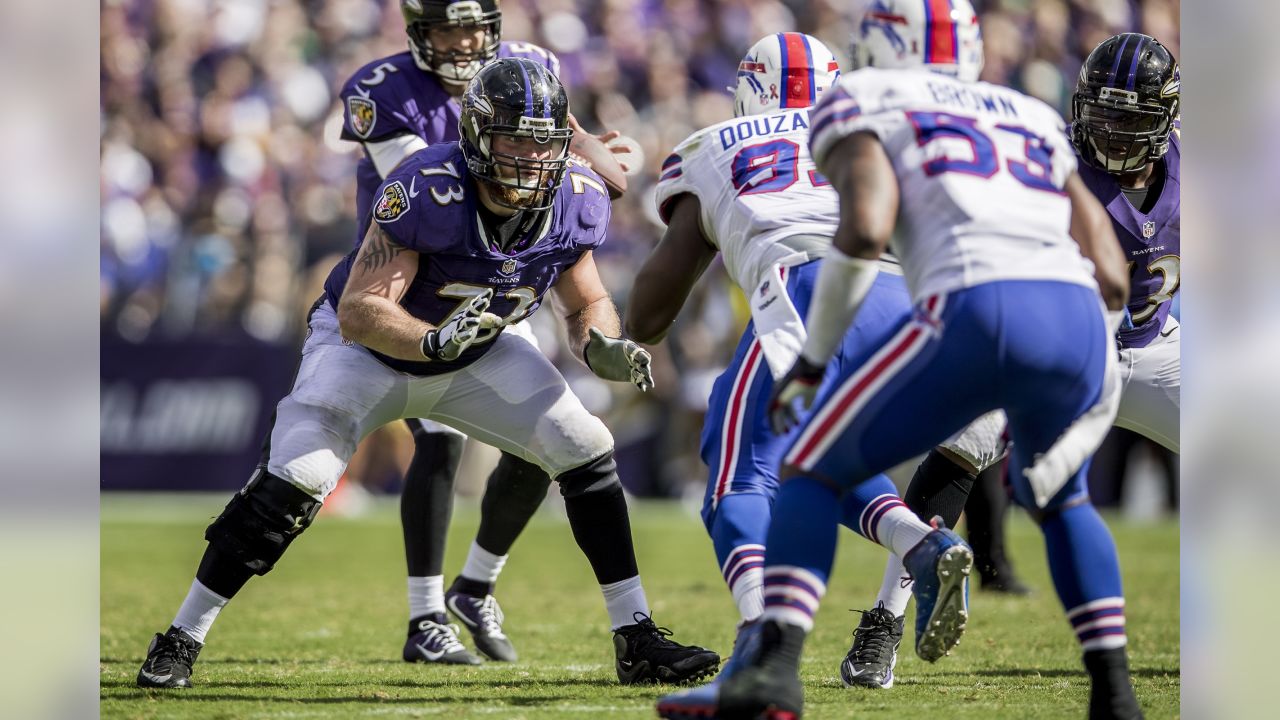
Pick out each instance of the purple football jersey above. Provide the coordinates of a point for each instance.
(429, 205)
(391, 97)
(1152, 244)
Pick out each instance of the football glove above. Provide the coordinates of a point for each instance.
(793, 395)
(457, 333)
(618, 360)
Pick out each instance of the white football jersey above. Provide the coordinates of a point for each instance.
(756, 184)
(981, 171)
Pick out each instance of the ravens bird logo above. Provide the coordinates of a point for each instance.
(363, 115)
(393, 203)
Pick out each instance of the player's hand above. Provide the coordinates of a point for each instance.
(793, 395)
(449, 340)
(618, 360)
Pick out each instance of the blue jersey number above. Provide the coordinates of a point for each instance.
(1036, 173)
(770, 167)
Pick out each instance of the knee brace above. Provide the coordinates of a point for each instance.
(261, 520)
(596, 476)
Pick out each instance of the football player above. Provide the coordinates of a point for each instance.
(467, 239)
(1125, 131)
(1125, 134)
(995, 228)
(395, 106)
(747, 188)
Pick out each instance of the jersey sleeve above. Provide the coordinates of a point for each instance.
(853, 105)
(423, 211)
(588, 207)
(1057, 140)
(367, 101)
(677, 176)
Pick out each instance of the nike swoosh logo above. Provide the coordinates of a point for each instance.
(157, 678)
(429, 654)
(855, 673)
(453, 606)
(413, 193)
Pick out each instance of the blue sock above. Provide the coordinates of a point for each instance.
(1086, 574)
(801, 550)
(856, 502)
(738, 530)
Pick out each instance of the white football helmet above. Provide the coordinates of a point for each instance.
(786, 70)
(938, 35)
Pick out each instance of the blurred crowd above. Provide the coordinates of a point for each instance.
(226, 193)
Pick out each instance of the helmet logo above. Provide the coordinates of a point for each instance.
(1173, 86)
(414, 5)
(467, 11)
(363, 114)
(482, 104)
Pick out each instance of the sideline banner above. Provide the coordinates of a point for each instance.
(188, 414)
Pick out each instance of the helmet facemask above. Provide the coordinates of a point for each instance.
(1116, 132)
(522, 165)
(455, 67)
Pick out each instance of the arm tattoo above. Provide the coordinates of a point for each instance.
(379, 250)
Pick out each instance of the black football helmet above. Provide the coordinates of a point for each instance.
(1125, 103)
(521, 104)
(421, 16)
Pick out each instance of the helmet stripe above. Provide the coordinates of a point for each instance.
(797, 71)
(1133, 66)
(528, 88)
(941, 35)
(809, 63)
(1115, 66)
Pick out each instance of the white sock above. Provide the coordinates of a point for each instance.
(623, 600)
(748, 593)
(426, 595)
(198, 611)
(744, 572)
(899, 529)
(893, 595)
(482, 565)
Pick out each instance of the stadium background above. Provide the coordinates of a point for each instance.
(226, 196)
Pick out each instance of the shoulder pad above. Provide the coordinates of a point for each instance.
(427, 192)
(369, 96)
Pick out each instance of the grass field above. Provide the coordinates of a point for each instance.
(320, 637)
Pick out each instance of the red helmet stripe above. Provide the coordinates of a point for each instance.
(797, 73)
(940, 33)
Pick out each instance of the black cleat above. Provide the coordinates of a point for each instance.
(770, 688)
(645, 655)
(1111, 694)
(874, 654)
(483, 617)
(433, 640)
(169, 660)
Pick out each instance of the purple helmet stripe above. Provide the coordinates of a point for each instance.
(1115, 67)
(528, 88)
(1133, 66)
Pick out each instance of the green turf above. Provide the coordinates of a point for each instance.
(321, 636)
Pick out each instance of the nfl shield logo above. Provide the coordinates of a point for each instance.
(508, 267)
(1148, 228)
(363, 114)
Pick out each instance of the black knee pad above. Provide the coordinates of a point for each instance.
(598, 475)
(261, 520)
